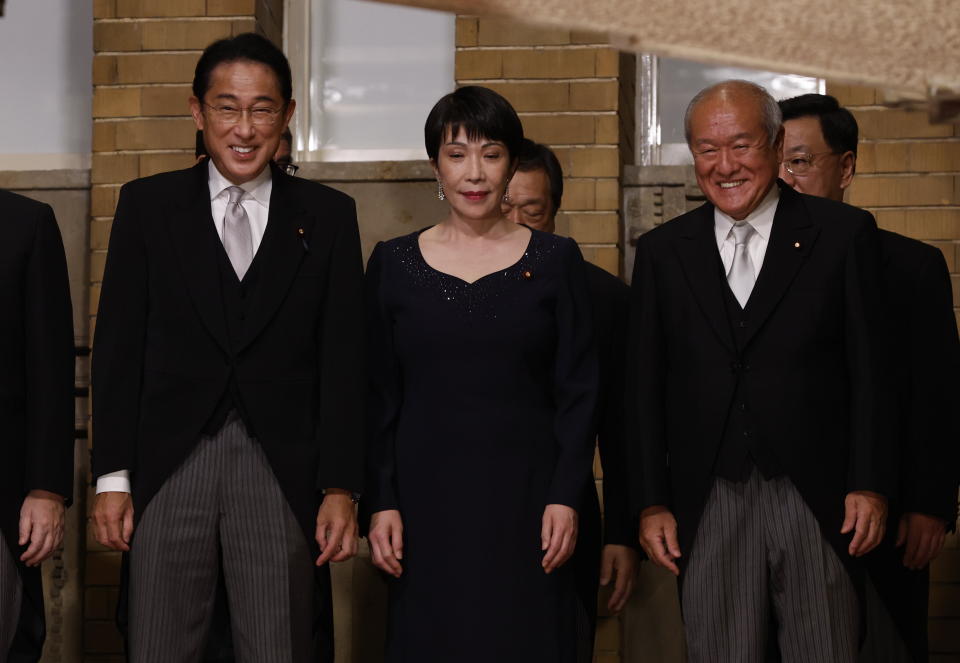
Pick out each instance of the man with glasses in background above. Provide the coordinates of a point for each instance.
(228, 380)
(820, 158)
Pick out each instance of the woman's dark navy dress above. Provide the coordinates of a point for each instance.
(481, 413)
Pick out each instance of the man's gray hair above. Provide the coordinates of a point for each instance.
(770, 113)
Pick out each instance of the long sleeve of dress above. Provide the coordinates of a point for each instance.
(383, 393)
(576, 382)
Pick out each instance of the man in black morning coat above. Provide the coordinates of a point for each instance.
(36, 407)
(227, 379)
(820, 156)
(759, 433)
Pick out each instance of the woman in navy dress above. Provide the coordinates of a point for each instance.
(483, 386)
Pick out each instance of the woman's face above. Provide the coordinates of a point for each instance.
(474, 174)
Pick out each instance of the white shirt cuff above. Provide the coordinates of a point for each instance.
(114, 482)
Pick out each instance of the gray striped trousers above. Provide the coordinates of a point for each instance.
(222, 503)
(758, 546)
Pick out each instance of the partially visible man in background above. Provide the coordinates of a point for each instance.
(36, 404)
(535, 195)
(284, 154)
(820, 158)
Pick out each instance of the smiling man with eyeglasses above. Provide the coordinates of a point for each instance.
(227, 381)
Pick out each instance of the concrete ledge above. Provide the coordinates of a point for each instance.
(366, 171)
(24, 180)
(659, 176)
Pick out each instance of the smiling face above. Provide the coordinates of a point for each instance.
(734, 161)
(530, 201)
(241, 150)
(474, 174)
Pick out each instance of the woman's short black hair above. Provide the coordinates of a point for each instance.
(248, 46)
(479, 111)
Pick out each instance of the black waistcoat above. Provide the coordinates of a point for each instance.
(236, 297)
(740, 449)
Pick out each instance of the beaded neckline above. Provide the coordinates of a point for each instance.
(476, 297)
(503, 271)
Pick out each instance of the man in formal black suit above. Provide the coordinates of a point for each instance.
(227, 379)
(820, 155)
(535, 196)
(36, 405)
(758, 437)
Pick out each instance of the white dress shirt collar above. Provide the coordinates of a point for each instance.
(259, 188)
(761, 218)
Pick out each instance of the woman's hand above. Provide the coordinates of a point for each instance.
(558, 536)
(386, 541)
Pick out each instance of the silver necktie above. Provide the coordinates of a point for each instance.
(237, 238)
(741, 276)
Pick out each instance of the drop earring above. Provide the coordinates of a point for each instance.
(506, 194)
(440, 194)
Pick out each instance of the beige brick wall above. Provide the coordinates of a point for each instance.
(145, 52)
(908, 175)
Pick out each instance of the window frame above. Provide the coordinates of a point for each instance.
(648, 137)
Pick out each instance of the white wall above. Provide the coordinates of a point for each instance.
(46, 56)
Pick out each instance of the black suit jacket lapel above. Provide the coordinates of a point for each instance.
(791, 240)
(195, 237)
(701, 260)
(285, 243)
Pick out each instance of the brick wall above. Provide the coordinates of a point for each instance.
(576, 94)
(908, 175)
(145, 52)
(565, 86)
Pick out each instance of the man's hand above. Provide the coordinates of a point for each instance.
(113, 520)
(386, 541)
(658, 537)
(923, 536)
(41, 524)
(866, 516)
(558, 535)
(336, 527)
(619, 561)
